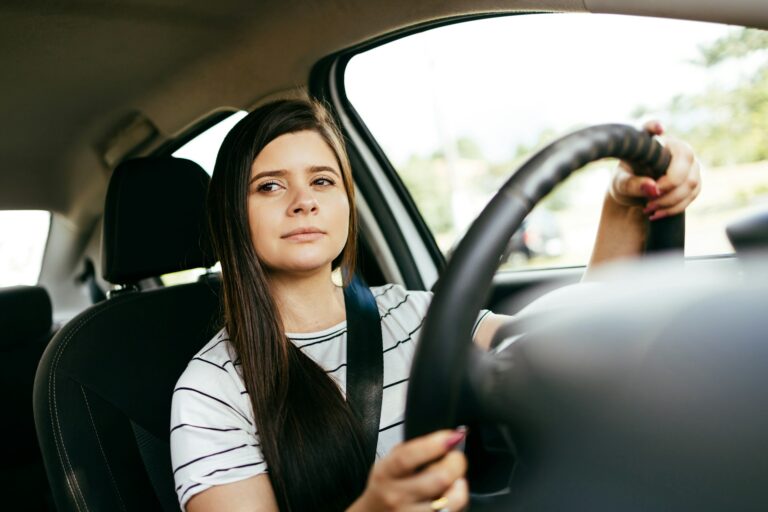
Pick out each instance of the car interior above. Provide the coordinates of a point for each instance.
(97, 100)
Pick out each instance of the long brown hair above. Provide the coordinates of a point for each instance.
(311, 441)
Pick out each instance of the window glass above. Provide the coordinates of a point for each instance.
(186, 276)
(204, 148)
(22, 242)
(458, 108)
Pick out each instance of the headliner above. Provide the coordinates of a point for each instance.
(77, 70)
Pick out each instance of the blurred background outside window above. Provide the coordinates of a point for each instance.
(458, 108)
(23, 234)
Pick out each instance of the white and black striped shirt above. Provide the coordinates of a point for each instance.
(213, 436)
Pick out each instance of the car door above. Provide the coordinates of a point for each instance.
(438, 116)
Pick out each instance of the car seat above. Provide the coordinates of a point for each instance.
(26, 326)
(103, 388)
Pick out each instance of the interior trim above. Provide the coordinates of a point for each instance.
(750, 13)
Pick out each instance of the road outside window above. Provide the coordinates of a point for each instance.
(457, 109)
(23, 235)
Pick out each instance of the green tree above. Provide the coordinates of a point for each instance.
(430, 191)
(468, 148)
(726, 126)
(733, 46)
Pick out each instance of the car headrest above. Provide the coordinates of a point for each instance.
(155, 220)
(26, 314)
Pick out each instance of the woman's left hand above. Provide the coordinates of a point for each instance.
(669, 195)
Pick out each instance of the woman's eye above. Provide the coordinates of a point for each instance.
(269, 186)
(323, 181)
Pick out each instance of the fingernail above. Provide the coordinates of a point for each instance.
(658, 215)
(650, 209)
(650, 190)
(456, 438)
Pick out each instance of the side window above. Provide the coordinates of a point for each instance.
(23, 234)
(458, 108)
(204, 148)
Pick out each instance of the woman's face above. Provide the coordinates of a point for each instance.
(297, 205)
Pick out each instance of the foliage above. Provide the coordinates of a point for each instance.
(430, 191)
(737, 130)
(733, 46)
(726, 126)
(468, 148)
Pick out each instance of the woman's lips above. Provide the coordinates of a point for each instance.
(303, 235)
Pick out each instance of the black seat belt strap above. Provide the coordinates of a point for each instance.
(365, 361)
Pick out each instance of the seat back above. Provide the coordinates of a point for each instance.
(26, 327)
(104, 386)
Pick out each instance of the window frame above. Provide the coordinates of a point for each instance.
(326, 82)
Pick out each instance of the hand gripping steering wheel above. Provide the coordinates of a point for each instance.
(446, 358)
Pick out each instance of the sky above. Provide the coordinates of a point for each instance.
(502, 81)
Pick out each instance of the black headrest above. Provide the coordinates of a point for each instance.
(155, 220)
(25, 314)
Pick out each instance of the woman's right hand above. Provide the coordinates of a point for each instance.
(415, 474)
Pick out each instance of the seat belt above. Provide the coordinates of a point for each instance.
(156, 456)
(365, 380)
(365, 361)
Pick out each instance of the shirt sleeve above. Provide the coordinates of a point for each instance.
(480, 317)
(422, 300)
(213, 439)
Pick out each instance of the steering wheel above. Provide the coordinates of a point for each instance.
(447, 366)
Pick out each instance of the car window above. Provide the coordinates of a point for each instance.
(23, 235)
(458, 108)
(204, 148)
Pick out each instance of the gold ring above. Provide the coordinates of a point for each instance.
(440, 505)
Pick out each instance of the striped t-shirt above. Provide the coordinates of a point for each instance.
(213, 436)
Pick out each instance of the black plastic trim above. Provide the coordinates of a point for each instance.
(45, 248)
(320, 87)
(387, 223)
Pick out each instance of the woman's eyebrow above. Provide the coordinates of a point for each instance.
(264, 174)
(282, 172)
(323, 168)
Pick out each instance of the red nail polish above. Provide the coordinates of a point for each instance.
(658, 215)
(649, 209)
(456, 438)
(650, 190)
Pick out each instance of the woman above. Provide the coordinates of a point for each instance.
(259, 420)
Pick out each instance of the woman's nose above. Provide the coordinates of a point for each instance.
(304, 203)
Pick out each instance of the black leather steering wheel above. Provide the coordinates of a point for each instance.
(446, 358)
